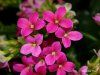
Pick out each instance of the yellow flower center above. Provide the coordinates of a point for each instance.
(56, 21)
(53, 53)
(60, 66)
(65, 35)
(33, 44)
(32, 26)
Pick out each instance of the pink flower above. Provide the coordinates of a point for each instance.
(62, 66)
(28, 26)
(57, 20)
(26, 67)
(32, 45)
(97, 18)
(68, 36)
(82, 71)
(40, 66)
(52, 53)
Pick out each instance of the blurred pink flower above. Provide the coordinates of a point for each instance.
(40, 66)
(28, 26)
(32, 45)
(82, 71)
(26, 67)
(97, 18)
(62, 66)
(52, 53)
(57, 20)
(27, 7)
(68, 36)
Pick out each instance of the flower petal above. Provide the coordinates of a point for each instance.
(38, 39)
(34, 17)
(41, 70)
(56, 46)
(50, 59)
(48, 16)
(53, 68)
(28, 60)
(39, 25)
(66, 42)
(26, 49)
(69, 66)
(75, 35)
(51, 28)
(58, 55)
(27, 71)
(26, 31)
(23, 23)
(83, 70)
(18, 67)
(60, 33)
(66, 23)
(36, 51)
(39, 64)
(61, 11)
(29, 39)
(47, 50)
(62, 59)
(61, 72)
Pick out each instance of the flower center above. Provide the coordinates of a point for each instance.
(65, 35)
(56, 21)
(33, 44)
(60, 66)
(53, 53)
(32, 26)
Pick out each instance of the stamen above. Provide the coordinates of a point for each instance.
(56, 21)
(60, 66)
(31, 26)
(53, 53)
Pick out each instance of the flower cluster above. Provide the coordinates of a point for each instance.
(27, 7)
(38, 58)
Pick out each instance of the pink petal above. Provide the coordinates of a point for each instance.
(66, 23)
(41, 70)
(26, 31)
(51, 28)
(56, 46)
(60, 33)
(75, 35)
(26, 49)
(18, 67)
(61, 11)
(66, 42)
(58, 55)
(62, 59)
(34, 17)
(69, 66)
(83, 70)
(29, 39)
(36, 51)
(28, 60)
(47, 50)
(74, 72)
(48, 16)
(38, 39)
(53, 68)
(27, 71)
(50, 59)
(61, 72)
(39, 64)
(23, 23)
(39, 25)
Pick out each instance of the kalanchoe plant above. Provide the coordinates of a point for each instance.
(43, 54)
